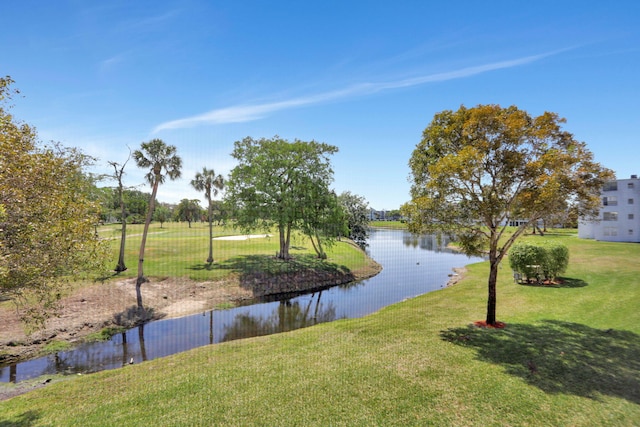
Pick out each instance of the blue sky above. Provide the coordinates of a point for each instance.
(366, 76)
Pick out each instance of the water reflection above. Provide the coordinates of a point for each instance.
(288, 316)
(429, 242)
(412, 265)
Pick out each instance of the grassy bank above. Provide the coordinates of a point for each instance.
(570, 355)
(175, 250)
(398, 225)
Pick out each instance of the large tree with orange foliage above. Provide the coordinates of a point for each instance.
(478, 169)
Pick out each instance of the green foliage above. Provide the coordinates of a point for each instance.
(273, 181)
(527, 259)
(47, 234)
(557, 260)
(539, 261)
(162, 214)
(188, 210)
(356, 210)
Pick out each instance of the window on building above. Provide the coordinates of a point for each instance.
(610, 231)
(630, 216)
(630, 185)
(610, 201)
(610, 186)
(630, 201)
(630, 232)
(610, 216)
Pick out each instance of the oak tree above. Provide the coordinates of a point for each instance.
(188, 210)
(356, 210)
(477, 169)
(273, 180)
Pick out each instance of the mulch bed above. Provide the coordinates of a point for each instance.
(483, 324)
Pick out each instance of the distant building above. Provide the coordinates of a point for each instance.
(619, 218)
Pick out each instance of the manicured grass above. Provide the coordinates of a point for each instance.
(388, 224)
(570, 355)
(175, 250)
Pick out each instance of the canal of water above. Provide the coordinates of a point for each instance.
(412, 265)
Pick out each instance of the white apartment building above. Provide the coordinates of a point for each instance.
(619, 218)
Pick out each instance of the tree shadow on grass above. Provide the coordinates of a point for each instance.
(560, 357)
(268, 275)
(562, 282)
(27, 418)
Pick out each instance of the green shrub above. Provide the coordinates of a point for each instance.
(527, 260)
(534, 261)
(556, 261)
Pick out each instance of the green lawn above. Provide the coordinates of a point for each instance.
(177, 250)
(570, 355)
(388, 224)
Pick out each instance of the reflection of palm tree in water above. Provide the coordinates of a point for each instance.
(211, 327)
(143, 350)
(125, 353)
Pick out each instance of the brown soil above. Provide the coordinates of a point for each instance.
(93, 308)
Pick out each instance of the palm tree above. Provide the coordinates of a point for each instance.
(161, 160)
(210, 183)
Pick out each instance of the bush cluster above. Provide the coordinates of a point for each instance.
(539, 261)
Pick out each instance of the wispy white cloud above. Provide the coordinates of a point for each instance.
(251, 112)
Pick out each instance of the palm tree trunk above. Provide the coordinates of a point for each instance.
(210, 259)
(141, 279)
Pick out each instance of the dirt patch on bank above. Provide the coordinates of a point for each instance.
(458, 274)
(92, 308)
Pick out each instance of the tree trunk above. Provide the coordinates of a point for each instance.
(315, 248)
(123, 212)
(288, 242)
(121, 265)
(282, 241)
(141, 279)
(491, 301)
(285, 239)
(321, 253)
(210, 258)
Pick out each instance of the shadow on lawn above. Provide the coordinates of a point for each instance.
(27, 418)
(267, 275)
(564, 282)
(560, 357)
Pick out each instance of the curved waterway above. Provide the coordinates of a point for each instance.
(412, 265)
